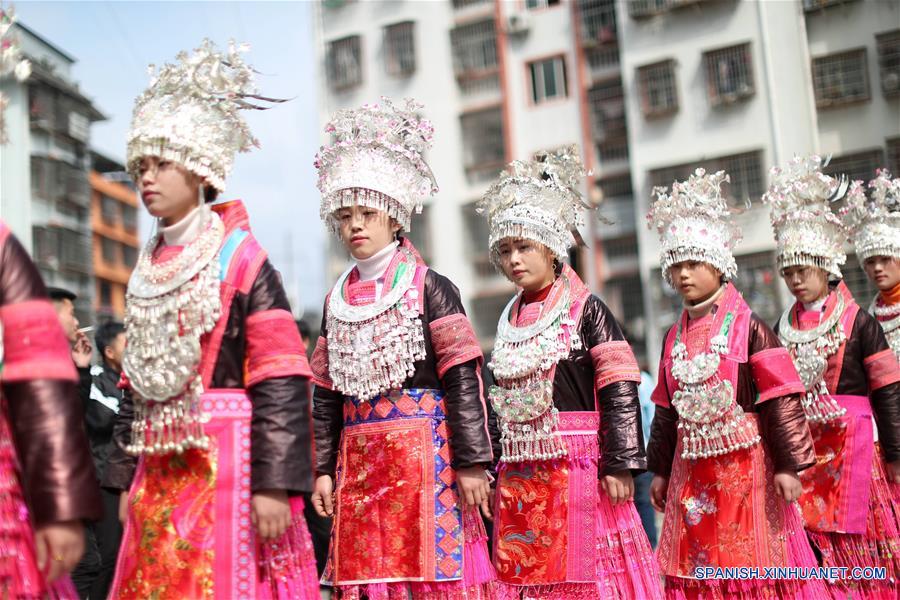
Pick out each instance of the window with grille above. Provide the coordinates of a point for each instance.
(400, 49)
(109, 210)
(860, 165)
(893, 156)
(598, 21)
(474, 48)
(548, 79)
(105, 294)
(533, 4)
(613, 150)
(812, 5)
(482, 133)
(129, 255)
(458, 4)
(647, 8)
(855, 278)
(110, 250)
(129, 217)
(840, 78)
(745, 171)
(729, 74)
(657, 84)
(607, 103)
(486, 312)
(888, 45)
(757, 279)
(344, 62)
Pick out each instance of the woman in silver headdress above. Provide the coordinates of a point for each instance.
(213, 436)
(401, 437)
(851, 500)
(566, 402)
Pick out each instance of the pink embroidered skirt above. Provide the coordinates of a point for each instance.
(850, 509)
(189, 533)
(399, 527)
(723, 511)
(556, 534)
(20, 577)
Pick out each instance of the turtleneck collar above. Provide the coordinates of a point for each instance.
(701, 309)
(892, 296)
(816, 306)
(187, 229)
(374, 267)
(538, 296)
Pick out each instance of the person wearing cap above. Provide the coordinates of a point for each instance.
(47, 479)
(402, 445)
(566, 401)
(851, 379)
(729, 435)
(213, 436)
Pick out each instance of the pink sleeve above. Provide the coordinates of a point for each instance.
(882, 369)
(274, 347)
(34, 344)
(319, 365)
(454, 342)
(774, 374)
(614, 361)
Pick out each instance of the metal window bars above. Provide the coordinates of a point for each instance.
(659, 95)
(729, 74)
(400, 49)
(840, 78)
(344, 62)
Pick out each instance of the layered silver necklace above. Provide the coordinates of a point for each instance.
(372, 348)
(523, 361)
(169, 306)
(890, 323)
(810, 350)
(712, 421)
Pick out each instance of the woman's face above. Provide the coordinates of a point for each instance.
(169, 191)
(526, 263)
(365, 230)
(695, 280)
(883, 271)
(807, 283)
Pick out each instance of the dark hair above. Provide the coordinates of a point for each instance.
(210, 194)
(58, 294)
(303, 326)
(107, 334)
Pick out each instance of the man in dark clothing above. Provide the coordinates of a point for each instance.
(85, 573)
(100, 417)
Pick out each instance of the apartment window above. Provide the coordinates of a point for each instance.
(400, 49)
(533, 4)
(646, 8)
(893, 156)
(888, 45)
(840, 78)
(613, 150)
(344, 62)
(855, 278)
(474, 47)
(482, 133)
(129, 255)
(616, 188)
(598, 21)
(657, 84)
(812, 5)
(109, 210)
(757, 279)
(129, 217)
(729, 74)
(486, 312)
(105, 294)
(859, 165)
(607, 102)
(110, 251)
(548, 79)
(458, 4)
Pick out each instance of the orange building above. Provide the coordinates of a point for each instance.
(114, 223)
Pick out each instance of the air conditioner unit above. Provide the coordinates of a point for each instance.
(517, 23)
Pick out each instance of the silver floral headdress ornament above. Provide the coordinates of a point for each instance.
(191, 113)
(807, 231)
(539, 200)
(874, 223)
(694, 223)
(11, 61)
(376, 160)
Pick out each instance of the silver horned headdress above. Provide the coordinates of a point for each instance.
(376, 159)
(874, 223)
(190, 113)
(539, 200)
(694, 223)
(807, 231)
